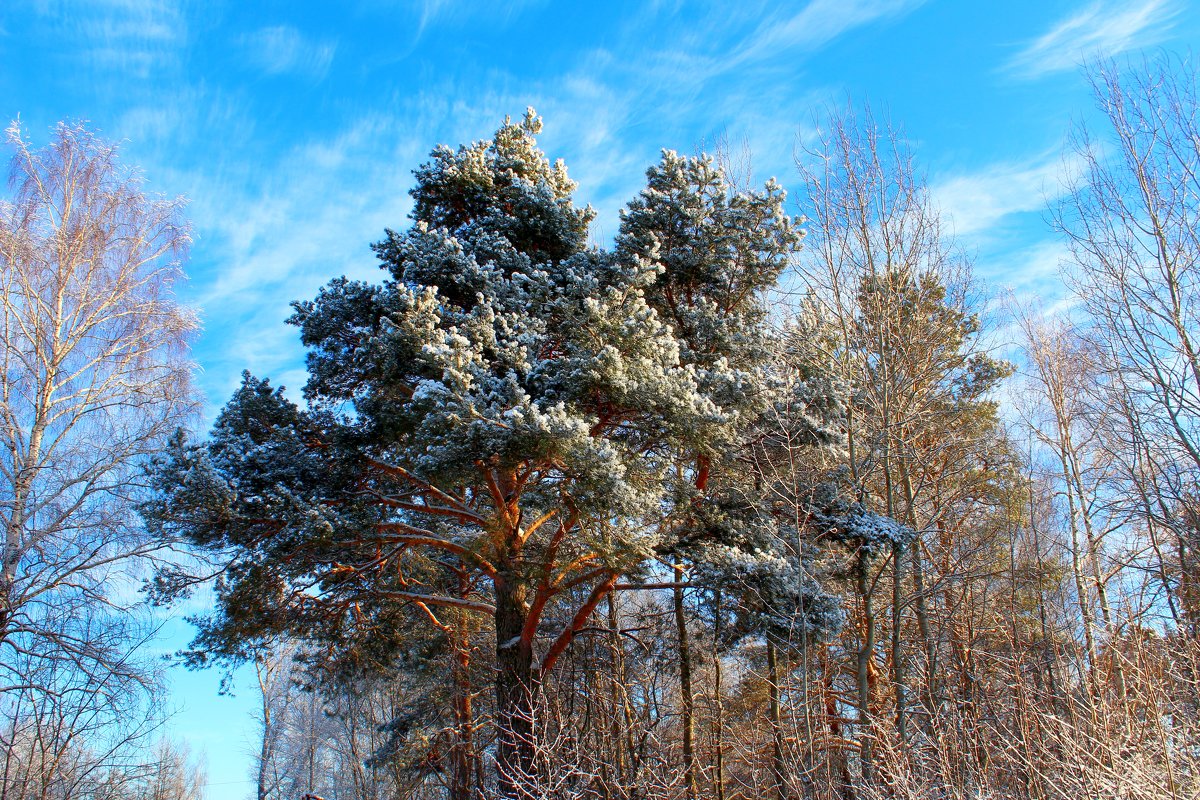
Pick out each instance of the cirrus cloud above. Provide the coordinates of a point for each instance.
(1100, 29)
(281, 50)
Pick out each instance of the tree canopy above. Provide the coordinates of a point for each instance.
(507, 424)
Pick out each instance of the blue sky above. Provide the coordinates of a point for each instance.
(293, 128)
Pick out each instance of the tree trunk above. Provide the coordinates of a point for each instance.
(616, 702)
(718, 704)
(898, 676)
(685, 689)
(265, 747)
(462, 768)
(928, 646)
(10, 554)
(864, 671)
(778, 771)
(515, 689)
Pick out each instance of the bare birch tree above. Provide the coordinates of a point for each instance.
(1132, 220)
(93, 379)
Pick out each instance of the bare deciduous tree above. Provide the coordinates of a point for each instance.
(93, 379)
(1132, 220)
(882, 263)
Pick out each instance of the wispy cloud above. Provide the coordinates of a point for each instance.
(125, 36)
(283, 228)
(274, 228)
(1034, 271)
(1100, 29)
(978, 201)
(818, 23)
(426, 15)
(281, 49)
(273, 232)
(709, 45)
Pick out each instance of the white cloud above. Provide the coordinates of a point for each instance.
(270, 232)
(273, 230)
(132, 38)
(281, 49)
(711, 45)
(817, 24)
(1032, 271)
(433, 14)
(978, 201)
(1100, 29)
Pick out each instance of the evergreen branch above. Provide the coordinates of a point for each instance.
(437, 600)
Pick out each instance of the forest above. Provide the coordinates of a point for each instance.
(768, 497)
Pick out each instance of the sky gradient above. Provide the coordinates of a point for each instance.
(293, 128)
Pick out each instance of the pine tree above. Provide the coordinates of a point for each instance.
(477, 421)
